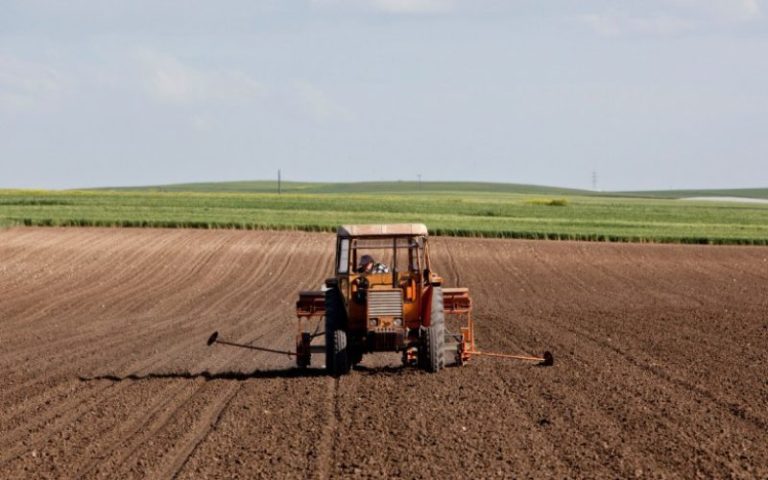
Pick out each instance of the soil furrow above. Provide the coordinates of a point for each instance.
(659, 367)
(209, 421)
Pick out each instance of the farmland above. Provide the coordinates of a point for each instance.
(660, 367)
(454, 210)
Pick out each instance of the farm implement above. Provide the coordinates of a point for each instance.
(384, 297)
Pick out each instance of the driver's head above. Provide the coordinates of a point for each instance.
(365, 264)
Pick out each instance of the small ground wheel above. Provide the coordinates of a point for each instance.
(303, 352)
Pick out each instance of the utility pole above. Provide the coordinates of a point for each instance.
(279, 180)
(594, 180)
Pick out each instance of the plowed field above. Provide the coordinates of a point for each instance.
(660, 370)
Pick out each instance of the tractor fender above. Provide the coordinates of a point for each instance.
(426, 306)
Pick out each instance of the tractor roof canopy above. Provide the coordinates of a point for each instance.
(382, 230)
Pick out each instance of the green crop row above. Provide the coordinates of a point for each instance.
(486, 214)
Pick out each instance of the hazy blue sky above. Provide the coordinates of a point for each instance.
(650, 94)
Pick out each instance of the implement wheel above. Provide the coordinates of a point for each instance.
(336, 352)
(431, 354)
(303, 350)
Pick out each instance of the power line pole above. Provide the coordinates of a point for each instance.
(279, 181)
(594, 180)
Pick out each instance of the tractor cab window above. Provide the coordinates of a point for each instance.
(343, 255)
(386, 255)
(416, 254)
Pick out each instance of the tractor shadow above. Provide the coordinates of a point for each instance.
(208, 376)
(384, 370)
(287, 373)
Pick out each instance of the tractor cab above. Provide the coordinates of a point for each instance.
(381, 272)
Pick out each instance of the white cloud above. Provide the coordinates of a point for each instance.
(671, 17)
(615, 24)
(722, 10)
(411, 6)
(405, 7)
(28, 85)
(318, 104)
(168, 79)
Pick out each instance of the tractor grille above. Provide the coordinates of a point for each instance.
(385, 303)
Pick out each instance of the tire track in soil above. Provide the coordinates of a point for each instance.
(113, 465)
(49, 423)
(103, 416)
(209, 421)
(169, 434)
(322, 466)
(126, 438)
(55, 394)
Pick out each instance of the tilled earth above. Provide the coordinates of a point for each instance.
(660, 370)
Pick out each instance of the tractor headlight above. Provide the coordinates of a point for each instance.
(398, 322)
(374, 322)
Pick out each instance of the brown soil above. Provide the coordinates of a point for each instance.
(660, 368)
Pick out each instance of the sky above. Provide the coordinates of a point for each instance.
(650, 94)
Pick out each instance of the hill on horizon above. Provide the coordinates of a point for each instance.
(411, 187)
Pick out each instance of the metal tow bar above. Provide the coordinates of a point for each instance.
(546, 360)
(214, 338)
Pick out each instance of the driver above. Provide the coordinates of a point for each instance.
(368, 265)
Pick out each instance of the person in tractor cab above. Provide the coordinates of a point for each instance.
(368, 265)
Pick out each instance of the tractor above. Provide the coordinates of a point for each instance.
(384, 297)
(399, 308)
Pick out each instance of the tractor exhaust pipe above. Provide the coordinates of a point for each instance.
(214, 338)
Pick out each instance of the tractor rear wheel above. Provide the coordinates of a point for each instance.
(336, 353)
(432, 356)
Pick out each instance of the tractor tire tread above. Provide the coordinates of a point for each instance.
(432, 355)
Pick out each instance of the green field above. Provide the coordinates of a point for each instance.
(468, 209)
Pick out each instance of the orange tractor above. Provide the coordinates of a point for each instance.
(384, 297)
